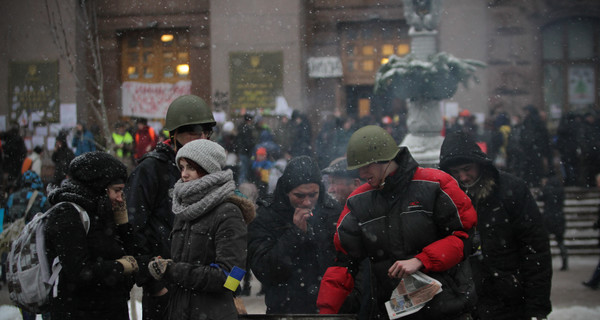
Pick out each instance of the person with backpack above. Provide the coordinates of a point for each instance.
(33, 161)
(97, 266)
(21, 206)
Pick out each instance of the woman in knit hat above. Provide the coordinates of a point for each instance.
(97, 266)
(290, 244)
(208, 237)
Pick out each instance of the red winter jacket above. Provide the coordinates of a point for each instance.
(426, 217)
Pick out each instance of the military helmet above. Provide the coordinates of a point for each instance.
(188, 110)
(370, 144)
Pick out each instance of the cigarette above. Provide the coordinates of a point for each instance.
(311, 214)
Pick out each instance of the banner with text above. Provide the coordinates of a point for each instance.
(151, 100)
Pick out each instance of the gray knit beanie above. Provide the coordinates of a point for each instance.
(207, 154)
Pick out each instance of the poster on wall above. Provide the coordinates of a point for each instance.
(255, 81)
(151, 100)
(581, 85)
(33, 90)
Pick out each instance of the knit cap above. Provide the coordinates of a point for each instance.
(207, 154)
(97, 170)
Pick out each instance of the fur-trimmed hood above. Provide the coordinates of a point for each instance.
(246, 206)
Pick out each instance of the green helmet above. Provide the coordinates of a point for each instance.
(188, 110)
(368, 145)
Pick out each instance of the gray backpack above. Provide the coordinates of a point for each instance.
(30, 277)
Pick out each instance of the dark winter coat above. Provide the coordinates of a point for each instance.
(148, 191)
(203, 249)
(91, 283)
(61, 158)
(512, 268)
(287, 261)
(535, 142)
(245, 139)
(419, 213)
(15, 151)
(553, 196)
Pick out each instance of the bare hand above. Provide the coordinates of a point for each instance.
(300, 217)
(162, 292)
(402, 268)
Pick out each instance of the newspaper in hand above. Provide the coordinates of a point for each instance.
(413, 292)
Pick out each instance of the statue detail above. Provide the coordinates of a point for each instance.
(422, 14)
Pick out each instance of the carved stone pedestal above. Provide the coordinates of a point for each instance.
(424, 125)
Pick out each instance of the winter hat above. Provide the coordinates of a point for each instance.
(459, 148)
(300, 170)
(32, 180)
(97, 170)
(339, 168)
(207, 154)
(261, 151)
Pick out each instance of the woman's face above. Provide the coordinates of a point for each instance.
(115, 193)
(188, 172)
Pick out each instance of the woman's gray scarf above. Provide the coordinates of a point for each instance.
(193, 198)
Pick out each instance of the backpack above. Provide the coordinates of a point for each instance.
(30, 277)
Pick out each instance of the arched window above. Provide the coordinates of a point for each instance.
(571, 51)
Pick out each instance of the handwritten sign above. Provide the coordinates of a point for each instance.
(151, 100)
(325, 67)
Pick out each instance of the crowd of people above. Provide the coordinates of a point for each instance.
(327, 225)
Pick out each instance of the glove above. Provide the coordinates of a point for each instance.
(120, 213)
(158, 267)
(129, 264)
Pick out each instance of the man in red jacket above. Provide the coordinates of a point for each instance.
(404, 219)
(145, 138)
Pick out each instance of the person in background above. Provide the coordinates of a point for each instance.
(61, 157)
(594, 281)
(535, 142)
(26, 202)
(289, 242)
(15, 152)
(123, 144)
(208, 238)
(511, 259)
(149, 196)
(83, 140)
(33, 161)
(97, 265)
(261, 167)
(145, 138)
(404, 219)
(244, 145)
(552, 194)
(341, 181)
(302, 137)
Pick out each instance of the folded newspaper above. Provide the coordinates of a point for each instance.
(412, 294)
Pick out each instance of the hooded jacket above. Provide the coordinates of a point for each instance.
(418, 213)
(287, 261)
(512, 270)
(209, 238)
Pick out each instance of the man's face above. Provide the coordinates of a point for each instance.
(373, 173)
(466, 174)
(304, 196)
(185, 137)
(341, 187)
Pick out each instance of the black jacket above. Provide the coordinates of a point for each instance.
(148, 191)
(513, 269)
(288, 262)
(91, 283)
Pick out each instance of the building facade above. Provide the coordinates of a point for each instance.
(321, 56)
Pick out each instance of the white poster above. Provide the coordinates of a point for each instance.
(151, 100)
(68, 115)
(581, 85)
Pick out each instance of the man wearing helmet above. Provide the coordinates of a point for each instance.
(149, 187)
(404, 219)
